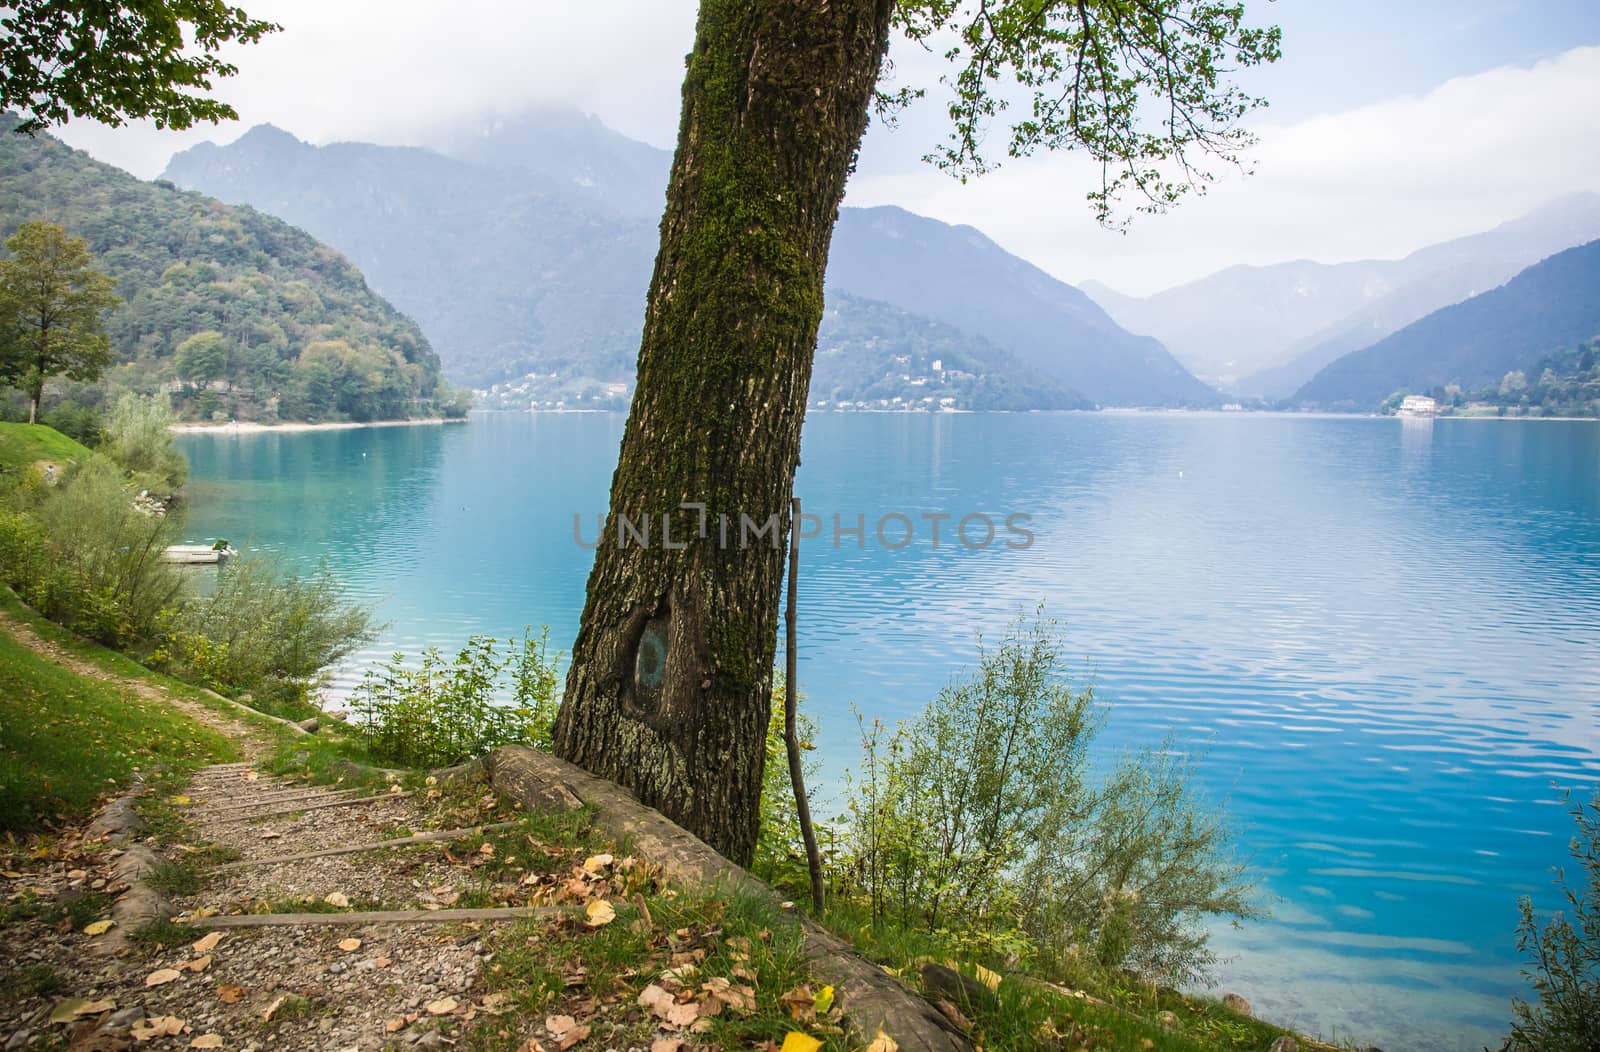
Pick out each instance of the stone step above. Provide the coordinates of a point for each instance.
(294, 920)
(314, 807)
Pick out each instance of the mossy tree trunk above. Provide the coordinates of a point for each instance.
(669, 689)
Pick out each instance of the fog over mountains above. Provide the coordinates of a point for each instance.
(1266, 331)
(525, 246)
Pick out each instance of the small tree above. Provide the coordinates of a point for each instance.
(1564, 954)
(51, 302)
(202, 358)
(138, 437)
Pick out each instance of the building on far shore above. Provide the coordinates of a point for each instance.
(1419, 405)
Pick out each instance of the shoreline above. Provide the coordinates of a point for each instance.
(252, 427)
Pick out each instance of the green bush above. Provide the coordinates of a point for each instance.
(263, 630)
(138, 437)
(78, 422)
(978, 823)
(87, 556)
(446, 711)
(1564, 954)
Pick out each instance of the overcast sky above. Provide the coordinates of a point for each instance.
(1392, 125)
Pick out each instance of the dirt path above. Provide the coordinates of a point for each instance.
(251, 741)
(217, 848)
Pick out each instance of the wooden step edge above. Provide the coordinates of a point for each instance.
(293, 920)
(313, 807)
(352, 849)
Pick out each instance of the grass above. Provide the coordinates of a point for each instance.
(66, 741)
(24, 445)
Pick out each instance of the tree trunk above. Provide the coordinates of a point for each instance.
(669, 689)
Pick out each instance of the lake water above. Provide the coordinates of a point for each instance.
(1385, 634)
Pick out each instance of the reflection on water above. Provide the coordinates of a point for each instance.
(1381, 632)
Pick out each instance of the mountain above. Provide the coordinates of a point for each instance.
(1551, 305)
(568, 149)
(234, 311)
(507, 270)
(956, 275)
(1265, 331)
(528, 250)
(878, 356)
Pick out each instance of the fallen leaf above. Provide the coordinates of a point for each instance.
(199, 964)
(99, 927)
(206, 943)
(596, 863)
(180, 799)
(229, 993)
(395, 1025)
(207, 1041)
(530, 1045)
(600, 913)
(795, 1041)
(157, 1026)
(251, 776)
(496, 1004)
(443, 1006)
(824, 1000)
(666, 1044)
(162, 976)
(883, 1043)
(272, 1009)
(337, 899)
(73, 1007)
(683, 1014)
(349, 945)
(657, 1000)
(382, 962)
(802, 1004)
(558, 1025)
(269, 836)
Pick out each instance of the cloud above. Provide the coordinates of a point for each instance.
(1377, 181)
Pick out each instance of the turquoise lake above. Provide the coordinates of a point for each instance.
(1384, 634)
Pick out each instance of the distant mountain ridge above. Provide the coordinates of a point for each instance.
(519, 257)
(1265, 331)
(1550, 306)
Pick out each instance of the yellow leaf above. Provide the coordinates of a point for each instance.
(595, 863)
(349, 945)
(986, 977)
(824, 999)
(600, 913)
(99, 927)
(795, 1041)
(180, 799)
(883, 1043)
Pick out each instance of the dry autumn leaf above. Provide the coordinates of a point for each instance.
(73, 1007)
(199, 964)
(337, 900)
(272, 1009)
(395, 1025)
(883, 1043)
(162, 976)
(599, 913)
(206, 943)
(596, 863)
(230, 993)
(157, 1026)
(443, 1006)
(207, 1041)
(99, 927)
(349, 945)
(667, 1044)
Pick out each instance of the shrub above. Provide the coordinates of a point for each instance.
(977, 822)
(138, 436)
(447, 711)
(1565, 954)
(87, 556)
(264, 630)
(78, 422)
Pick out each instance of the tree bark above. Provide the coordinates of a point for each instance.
(669, 689)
